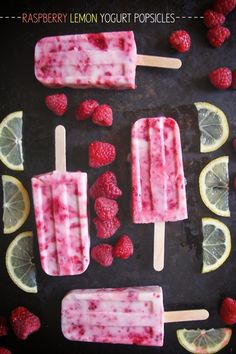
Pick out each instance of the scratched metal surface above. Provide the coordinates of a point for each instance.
(166, 92)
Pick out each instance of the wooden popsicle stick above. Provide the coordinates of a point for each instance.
(159, 246)
(60, 148)
(186, 315)
(159, 62)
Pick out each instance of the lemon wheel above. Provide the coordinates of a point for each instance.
(20, 264)
(16, 204)
(213, 126)
(11, 153)
(216, 244)
(214, 186)
(204, 341)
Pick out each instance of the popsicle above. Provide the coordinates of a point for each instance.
(158, 184)
(123, 315)
(60, 206)
(95, 60)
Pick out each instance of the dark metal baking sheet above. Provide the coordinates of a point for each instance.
(167, 92)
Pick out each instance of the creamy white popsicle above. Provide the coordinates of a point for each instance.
(60, 207)
(101, 60)
(158, 183)
(126, 315)
(105, 60)
(120, 316)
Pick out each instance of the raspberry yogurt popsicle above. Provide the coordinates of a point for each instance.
(124, 315)
(60, 206)
(95, 60)
(158, 184)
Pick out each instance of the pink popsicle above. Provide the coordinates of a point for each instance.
(60, 207)
(102, 60)
(126, 315)
(120, 316)
(95, 60)
(158, 184)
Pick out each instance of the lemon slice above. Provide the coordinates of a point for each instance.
(214, 186)
(11, 152)
(19, 262)
(213, 126)
(216, 244)
(16, 204)
(204, 341)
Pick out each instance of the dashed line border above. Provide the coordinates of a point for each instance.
(189, 17)
(10, 17)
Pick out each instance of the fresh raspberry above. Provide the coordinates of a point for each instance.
(213, 18)
(228, 311)
(102, 115)
(4, 351)
(106, 228)
(57, 103)
(3, 326)
(221, 78)
(105, 208)
(234, 79)
(24, 322)
(234, 182)
(105, 186)
(101, 154)
(102, 254)
(234, 144)
(180, 40)
(224, 6)
(123, 248)
(85, 109)
(217, 36)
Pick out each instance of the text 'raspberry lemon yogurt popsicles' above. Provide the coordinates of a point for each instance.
(158, 183)
(120, 316)
(95, 60)
(60, 207)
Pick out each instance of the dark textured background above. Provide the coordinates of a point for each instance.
(158, 91)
